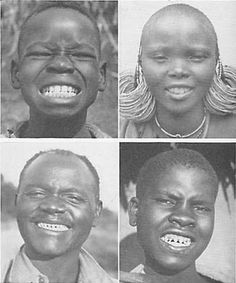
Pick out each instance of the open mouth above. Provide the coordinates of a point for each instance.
(60, 91)
(53, 227)
(176, 241)
(179, 92)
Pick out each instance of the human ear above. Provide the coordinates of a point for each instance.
(15, 74)
(97, 212)
(102, 76)
(133, 210)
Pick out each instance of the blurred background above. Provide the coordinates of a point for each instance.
(103, 112)
(218, 260)
(103, 239)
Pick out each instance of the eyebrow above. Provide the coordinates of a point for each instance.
(163, 47)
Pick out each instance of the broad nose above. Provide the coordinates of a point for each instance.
(52, 205)
(61, 64)
(183, 217)
(179, 69)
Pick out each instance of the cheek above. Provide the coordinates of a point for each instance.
(29, 70)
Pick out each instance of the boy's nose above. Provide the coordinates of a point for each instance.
(60, 64)
(183, 218)
(52, 205)
(179, 69)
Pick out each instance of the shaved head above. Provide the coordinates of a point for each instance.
(177, 13)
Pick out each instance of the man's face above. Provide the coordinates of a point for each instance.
(175, 218)
(56, 205)
(59, 70)
(178, 60)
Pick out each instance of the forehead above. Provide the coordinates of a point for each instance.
(172, 25)
(183, 180)
(51, 170)
(55, 23)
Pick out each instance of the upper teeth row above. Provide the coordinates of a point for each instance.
(53, 227)
(178, 90)
(176, 240)
(60, 90)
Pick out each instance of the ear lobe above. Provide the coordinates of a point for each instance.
(15, 74)
(102, 76)
(133, 210)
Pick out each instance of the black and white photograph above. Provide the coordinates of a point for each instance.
(59, 212)
(179, 81)
(177, 218)
(59, 69)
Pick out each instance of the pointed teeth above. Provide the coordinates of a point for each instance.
(179, 90)
(53, 227)
(60, 91)
(176, 240)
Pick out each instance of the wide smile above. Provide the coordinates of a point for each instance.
(177, 243)
(52, 227)
(60, 91)
(179, 93)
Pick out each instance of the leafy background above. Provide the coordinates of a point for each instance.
(103, 112)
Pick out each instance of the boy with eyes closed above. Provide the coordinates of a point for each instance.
(57, 205)
(59, 71)
(174, 214)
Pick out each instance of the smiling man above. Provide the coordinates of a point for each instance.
(59, 71)
(174, 214)
(57, 205)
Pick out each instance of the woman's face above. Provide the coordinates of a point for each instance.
(178, 60)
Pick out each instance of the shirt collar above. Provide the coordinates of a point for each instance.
(23, 270)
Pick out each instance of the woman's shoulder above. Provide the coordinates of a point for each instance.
(222, 126)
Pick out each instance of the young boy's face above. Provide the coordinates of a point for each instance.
(175, 218)
(56, 205)
(59, 71)
(178, 60)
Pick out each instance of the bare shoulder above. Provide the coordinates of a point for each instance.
(222, 126)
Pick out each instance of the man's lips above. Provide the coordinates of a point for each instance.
(177, 240)
(60, 91)
(53, 227)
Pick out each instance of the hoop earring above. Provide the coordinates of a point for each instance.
(136, 101)
(221, 97)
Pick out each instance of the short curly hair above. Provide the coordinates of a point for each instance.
(164, 161)
(45, 5)
(65, 153)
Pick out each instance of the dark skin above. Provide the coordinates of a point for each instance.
(180, 202)
(179, 50)
(59, 47)
(58, 190)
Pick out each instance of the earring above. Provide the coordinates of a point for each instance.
(136, 101)
(221, 97)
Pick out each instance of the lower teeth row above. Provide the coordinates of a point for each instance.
(60, 94)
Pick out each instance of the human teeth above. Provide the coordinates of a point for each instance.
(60, 91)
(176, 240)
(178, 90)
(53, 227)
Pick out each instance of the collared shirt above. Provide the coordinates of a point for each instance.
(93, 130)
(21, 270)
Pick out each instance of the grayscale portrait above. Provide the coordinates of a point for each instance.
(179, 81)
(59, 69)
(59, 212)
(177, 217)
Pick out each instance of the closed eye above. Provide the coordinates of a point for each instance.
(83, 56)
(36, 194)
(38, 54)
(197, 58)
(72, 198)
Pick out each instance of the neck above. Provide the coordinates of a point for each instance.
(185, 276)
(180, 123)
(41, 126)
(52, 268)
